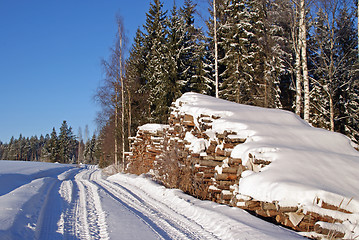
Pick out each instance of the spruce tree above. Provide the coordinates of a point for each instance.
(348, 75)
(320, 49)
(52, 148)
(67, 144)
(193, 58)
(156, 73)
(135, 66)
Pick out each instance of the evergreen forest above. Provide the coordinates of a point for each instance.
(299, 55)
(63, 147)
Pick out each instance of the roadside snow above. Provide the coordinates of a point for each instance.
(67, 202)
(222, 221)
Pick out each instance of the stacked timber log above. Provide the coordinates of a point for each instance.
(145, 148)
(215, 175)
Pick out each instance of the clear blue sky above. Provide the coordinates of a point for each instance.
(50, 59)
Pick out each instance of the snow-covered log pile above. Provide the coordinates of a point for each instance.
(145, 147)
(270, 162)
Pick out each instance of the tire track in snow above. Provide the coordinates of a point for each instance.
(84, 217)
(162, 219)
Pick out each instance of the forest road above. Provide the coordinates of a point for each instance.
(83, 205)
(45, 201)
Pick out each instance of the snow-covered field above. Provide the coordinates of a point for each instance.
(54, 201)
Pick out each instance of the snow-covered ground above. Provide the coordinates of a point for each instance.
(54, 201)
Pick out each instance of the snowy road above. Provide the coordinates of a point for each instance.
(45, 201)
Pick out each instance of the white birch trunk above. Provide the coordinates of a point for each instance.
(301, 60)
(303, 40)
(297, 48)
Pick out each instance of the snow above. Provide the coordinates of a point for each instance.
(307, 163)
(152, 127)
(197, 145)
(55, 201)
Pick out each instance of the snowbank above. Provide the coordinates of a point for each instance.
(223, 221)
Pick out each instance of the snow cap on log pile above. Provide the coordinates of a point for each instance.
(152, 127)
(306, 163)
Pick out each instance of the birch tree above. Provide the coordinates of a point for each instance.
(299, 36)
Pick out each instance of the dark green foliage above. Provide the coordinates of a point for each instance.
(61, 148)
(256, 49)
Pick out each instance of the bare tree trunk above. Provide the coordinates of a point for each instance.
(331, 106)
(303, 40)
(215, 46)
(129, 113)
(122, 100)
(116, 124)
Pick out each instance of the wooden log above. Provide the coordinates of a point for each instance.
(280, 218)
(319, 217)
(261, 212)
(222, 153)
(219, 158)
(188, 118)
(268, 206)
(288, 209)
(204, 116)
(214, 190)
(211, 149)
(224, 176)
(272, 213)
(204, 120)
(260, 161)
(241, 169)
(226, 197)
(209, 163)
(230, 170)
(208, 175)
(228, 145)
(288, 223)
(328, 232)
(252, 205)
(305, 227)
(335, 208)
(223, 186)
(236, 140)
(233, 161)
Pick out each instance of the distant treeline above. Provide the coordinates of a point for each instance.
(64, 147)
